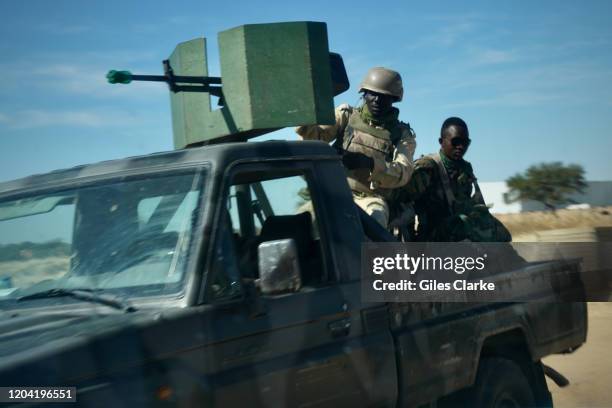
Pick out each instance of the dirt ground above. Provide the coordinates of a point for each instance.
(537, 221)
(589, 369)
(24, 273)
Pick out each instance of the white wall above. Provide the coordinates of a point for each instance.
(598, 193)
(493, 193)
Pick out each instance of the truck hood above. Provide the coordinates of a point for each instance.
(66, 348)
(27, 333)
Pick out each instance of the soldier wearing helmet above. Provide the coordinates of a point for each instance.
(377, 148)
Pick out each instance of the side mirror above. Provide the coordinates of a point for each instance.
(279, 271)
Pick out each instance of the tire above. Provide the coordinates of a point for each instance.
(500, 383)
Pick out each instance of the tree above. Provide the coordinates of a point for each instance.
(548, 183)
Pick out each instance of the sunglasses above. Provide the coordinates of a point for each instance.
(458, 141)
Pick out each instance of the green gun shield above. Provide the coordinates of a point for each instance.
(274, 76)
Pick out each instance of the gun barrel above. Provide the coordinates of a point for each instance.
(178, 79)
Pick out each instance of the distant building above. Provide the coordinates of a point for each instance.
(597, 193)
(493, 193)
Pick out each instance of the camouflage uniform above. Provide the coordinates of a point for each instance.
(389, 142)
(458, 215)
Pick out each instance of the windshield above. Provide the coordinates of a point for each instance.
(130, 237)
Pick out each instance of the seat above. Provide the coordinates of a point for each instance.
(299, 228)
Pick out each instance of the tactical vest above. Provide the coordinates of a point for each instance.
(375, 142)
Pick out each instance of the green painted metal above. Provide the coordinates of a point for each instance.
(119, 77)
(274, 76)
(191, 111)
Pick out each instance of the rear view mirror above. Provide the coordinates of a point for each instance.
(279, 271)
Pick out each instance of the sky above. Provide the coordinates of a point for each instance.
(533, 80)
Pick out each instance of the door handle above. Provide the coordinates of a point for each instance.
(340, 328)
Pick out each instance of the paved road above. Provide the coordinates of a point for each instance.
(589, 369)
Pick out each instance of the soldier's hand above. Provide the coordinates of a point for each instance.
(353, 161)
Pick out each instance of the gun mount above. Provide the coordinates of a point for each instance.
(273, 76)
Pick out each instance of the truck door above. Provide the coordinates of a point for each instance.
(280, 350)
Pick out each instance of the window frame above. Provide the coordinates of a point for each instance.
(199, 171)
(280, 169)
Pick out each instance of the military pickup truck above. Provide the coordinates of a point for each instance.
(229, 275)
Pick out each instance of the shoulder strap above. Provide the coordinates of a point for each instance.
(398, 132)
(339, 141)
(478, 197)
(351, 119)
(445, 180)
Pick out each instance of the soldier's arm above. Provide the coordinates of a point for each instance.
(326, 133)
(396, 173)
(419, 182)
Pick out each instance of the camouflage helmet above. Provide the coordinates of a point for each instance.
(384, 81)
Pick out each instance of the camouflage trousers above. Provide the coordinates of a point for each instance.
(373, 205)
